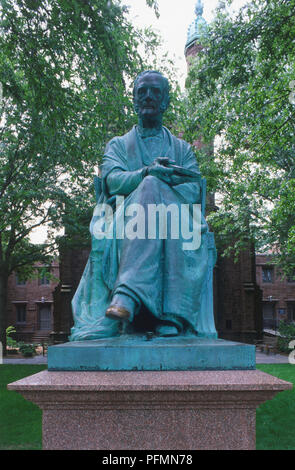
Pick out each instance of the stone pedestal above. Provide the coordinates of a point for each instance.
(154, 410)
(136, 353)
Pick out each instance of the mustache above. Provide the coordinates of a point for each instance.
(148, 104)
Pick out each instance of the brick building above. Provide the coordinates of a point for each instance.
(278, 302)
(30, 304)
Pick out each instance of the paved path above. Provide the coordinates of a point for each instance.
(29, 360)
(261, 358)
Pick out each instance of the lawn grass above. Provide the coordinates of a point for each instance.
(275, 419)
(20, 420)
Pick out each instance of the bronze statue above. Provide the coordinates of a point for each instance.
(147, 283)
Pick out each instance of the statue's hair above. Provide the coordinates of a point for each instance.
(142, 74)
(166, 98)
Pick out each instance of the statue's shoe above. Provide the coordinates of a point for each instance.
(166, 330)
(122, 308)
(117, 313)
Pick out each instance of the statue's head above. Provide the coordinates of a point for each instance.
(150, 94)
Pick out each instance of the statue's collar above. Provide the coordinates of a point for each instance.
(149, 132)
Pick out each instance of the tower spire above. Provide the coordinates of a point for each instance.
(198, 26)
(199, 8)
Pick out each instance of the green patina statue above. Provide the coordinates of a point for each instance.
(137, 280)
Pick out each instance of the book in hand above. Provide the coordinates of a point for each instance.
(189, 175)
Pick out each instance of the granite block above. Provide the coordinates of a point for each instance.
(179, 410)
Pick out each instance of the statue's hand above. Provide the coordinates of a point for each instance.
(160, 169)
(165, 161)
(173, 179)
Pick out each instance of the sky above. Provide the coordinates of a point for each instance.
(175, 18)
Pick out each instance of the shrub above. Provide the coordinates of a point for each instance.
(27, 350)
(287, 332)
(11, 343)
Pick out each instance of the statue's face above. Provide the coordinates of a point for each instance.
(149, 96)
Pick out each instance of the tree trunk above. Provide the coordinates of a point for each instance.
(3, 309)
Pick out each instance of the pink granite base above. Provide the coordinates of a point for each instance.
(149, 410)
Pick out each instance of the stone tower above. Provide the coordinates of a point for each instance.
(198, 27)
(237, 296)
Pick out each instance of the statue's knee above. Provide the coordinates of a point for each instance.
(151, 189)
(151, 182)
(150, 179)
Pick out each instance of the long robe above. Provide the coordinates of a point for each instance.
(166, 279)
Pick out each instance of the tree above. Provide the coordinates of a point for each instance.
(241, 92)
(65, 69)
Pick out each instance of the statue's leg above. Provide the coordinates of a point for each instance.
(140, 273)
(184, 275)
(157, 272)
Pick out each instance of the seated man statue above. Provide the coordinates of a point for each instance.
(137, 280)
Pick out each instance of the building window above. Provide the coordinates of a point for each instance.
(44, 277)
(21, 313)
(19, 281)
(268, 274)
(282, 311)
(45, 317)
